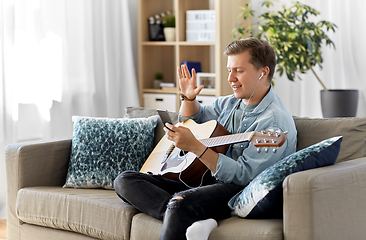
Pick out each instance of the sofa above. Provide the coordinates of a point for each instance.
(322, 203)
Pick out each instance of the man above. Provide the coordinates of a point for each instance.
(254, 106)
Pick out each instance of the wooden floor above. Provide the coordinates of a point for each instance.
(2, 229)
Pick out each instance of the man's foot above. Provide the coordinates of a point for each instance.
(201, 230)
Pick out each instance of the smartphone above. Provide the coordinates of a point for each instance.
(165, 117)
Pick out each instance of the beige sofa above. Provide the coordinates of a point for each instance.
(323, 203)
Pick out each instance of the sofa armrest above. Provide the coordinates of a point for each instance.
(326, 203)
(38, 163)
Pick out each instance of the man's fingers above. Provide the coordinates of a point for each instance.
(198, 89)
(185, 71)
(193, 73)
(170, 127)
(188, 73)
(179, 73)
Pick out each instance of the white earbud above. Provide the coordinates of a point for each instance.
(261, 76)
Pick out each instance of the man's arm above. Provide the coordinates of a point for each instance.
(185, 140)
(189, 108)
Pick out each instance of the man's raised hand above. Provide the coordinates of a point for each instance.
(187, 82)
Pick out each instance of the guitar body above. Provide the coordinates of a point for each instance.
(187, 167)
(185, 164)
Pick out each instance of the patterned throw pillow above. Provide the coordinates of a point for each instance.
(263, 196)
(102, 148)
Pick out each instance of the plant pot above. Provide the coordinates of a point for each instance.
(157, 83)
(169, 33)
(339, 103)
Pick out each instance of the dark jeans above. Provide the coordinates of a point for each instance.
(173, 202)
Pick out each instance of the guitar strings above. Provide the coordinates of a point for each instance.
(180, 173)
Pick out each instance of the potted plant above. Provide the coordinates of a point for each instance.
(169, 27)
(298, 41)
(158, 79)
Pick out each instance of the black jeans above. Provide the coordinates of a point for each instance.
(174, 203)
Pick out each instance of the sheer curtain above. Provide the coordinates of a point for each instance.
(342, 67)
(61, 58)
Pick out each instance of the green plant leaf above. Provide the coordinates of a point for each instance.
(267, 4)
(293, 33)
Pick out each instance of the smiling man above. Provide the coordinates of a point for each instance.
(254, 106)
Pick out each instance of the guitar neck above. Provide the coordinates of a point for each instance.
(227, 139)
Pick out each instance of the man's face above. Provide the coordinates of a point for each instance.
(243, 76)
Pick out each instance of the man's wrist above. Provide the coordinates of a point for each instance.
(185, 98)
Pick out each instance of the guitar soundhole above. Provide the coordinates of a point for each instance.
(175, 159)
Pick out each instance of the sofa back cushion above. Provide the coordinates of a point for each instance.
(141, 112)
(309, 131)
(353, 130)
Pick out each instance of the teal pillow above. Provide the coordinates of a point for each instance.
(102, 148)
(263, 196)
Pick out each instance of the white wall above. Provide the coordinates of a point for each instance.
(24, 134)
(2, 186)
(133, 16)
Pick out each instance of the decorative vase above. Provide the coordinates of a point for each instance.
(339, 103)
(169, 33)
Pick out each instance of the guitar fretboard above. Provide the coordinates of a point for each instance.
(227, 139)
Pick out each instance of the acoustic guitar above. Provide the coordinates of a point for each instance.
(174, 163)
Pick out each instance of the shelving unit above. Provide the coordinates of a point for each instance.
(165, 57)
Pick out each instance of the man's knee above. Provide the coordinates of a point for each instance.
(176, 201)
(123, 180)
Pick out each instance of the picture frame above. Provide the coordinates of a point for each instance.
(207, 80)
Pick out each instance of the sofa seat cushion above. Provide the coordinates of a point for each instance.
(97, 213)
(146, 227)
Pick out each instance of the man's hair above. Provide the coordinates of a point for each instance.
(262, 54)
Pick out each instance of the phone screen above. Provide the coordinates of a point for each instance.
(165, 117)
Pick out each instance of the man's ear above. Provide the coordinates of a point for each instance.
(265, 71)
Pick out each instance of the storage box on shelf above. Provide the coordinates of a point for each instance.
(160, 101)
(200, 25)
(205, 100)
(164, 57)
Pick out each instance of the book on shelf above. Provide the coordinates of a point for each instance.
(167, 84)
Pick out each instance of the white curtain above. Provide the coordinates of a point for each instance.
(61, 58)
(342, 67)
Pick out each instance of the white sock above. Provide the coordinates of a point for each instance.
(201, 230)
